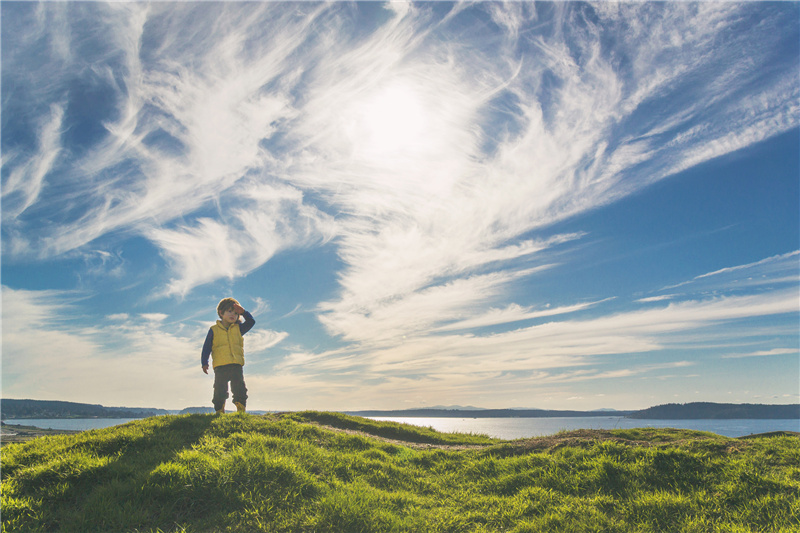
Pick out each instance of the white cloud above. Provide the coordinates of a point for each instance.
(764, 353)
(533, 356)
(137, 361)
(266, 221)
(512, 313)
(656, 298)
(22, 186)
(775, 271)
(259, 340)
(195, 120)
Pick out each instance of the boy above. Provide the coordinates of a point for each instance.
(225, 344)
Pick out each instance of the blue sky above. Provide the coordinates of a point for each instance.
(553, 205)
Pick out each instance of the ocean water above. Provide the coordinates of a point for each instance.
(80, 424)
(501, 428)
(518, 428)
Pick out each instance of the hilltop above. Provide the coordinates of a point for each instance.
(315, 471)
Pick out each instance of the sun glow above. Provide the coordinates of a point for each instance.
(393, 122)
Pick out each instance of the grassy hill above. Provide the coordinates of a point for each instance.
(329, 472)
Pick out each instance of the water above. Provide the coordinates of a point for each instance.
(501, 428)
(79, 424)
(518, 428)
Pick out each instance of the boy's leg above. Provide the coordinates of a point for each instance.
(221, 378)
(237, 385)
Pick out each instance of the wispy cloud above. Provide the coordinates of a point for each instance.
(776, 271)
(144, 360)
(515, 360)
(205, 99)
(264, 221)
(764, 353)
(21, 186)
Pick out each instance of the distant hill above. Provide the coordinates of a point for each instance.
(707, 410)
(22, 409)
(11, 409)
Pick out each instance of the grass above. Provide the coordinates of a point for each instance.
(295, 472)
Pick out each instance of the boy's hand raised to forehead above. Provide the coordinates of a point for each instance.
(238, 309)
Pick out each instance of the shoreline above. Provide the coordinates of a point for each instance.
(13, 434)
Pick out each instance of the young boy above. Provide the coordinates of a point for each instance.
(225, 344)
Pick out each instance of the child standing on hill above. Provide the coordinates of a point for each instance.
(225, 344)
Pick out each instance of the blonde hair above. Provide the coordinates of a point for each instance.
(225, 304)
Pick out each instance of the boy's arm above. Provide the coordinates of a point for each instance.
(248, 323)
(207, 350)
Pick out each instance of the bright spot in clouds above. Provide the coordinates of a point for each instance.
(393, 122)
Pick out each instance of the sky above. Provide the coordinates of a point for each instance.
(497, 204)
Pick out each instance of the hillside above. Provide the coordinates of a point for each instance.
(314, 471)
(707, 410)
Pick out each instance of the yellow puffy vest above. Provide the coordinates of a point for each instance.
(228, 346)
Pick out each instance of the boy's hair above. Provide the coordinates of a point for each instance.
(225, 304)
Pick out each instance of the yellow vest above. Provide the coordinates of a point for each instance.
(228, 346)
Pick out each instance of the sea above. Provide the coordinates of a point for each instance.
(500, 428)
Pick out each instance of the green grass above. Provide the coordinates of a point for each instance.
(290, 473)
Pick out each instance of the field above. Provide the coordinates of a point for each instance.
(324, 472)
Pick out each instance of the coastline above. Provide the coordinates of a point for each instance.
(12, 433)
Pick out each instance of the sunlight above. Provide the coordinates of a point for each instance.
(392, 122)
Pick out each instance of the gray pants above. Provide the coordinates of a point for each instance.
(222, 375)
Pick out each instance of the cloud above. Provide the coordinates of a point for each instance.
(262, 339)
(24, 183)
(138, 361)
(204, 100)
(565, 351)
(143, 360)
(177, 137)
(416, 233)
(264, 221)
(512, 313)
(656, 298)
(764, 353)
(766, 267)
(776, 271)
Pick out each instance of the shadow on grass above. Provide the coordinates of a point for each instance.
(96, 483)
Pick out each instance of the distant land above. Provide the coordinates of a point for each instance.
(26, 409)
(672, 411)
(12, 409)
(23, 409)
(55, 409)
(707, 410)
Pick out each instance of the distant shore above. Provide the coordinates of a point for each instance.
(12, 409)
(10, 434)
(687, 411)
